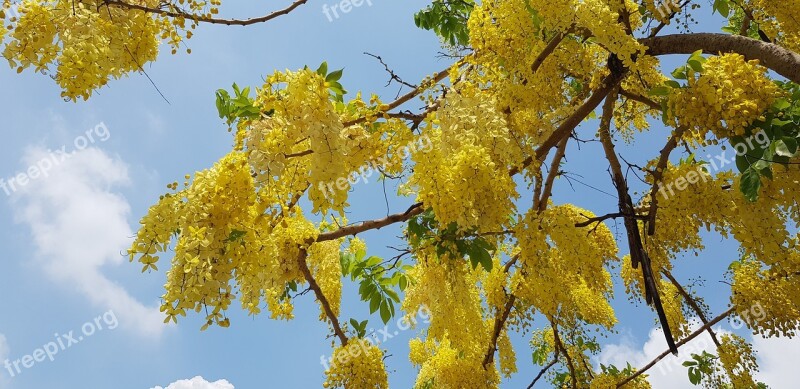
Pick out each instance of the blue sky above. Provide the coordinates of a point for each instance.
(63, 269)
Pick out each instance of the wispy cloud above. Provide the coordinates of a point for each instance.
(3, 355)
(776, 358)
(79, 225)
(198, 383)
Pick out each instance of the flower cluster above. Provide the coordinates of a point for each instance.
(359, 365)
(465, 177)
(550, 244)
(90, 42)
(726, 98)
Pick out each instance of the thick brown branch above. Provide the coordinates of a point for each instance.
(551, 176)
(499, 323)
(549, 49)
(782, 61)
(376, 224)
(204, 19)
(568, 125)
(323, 301)
(636, 248)
(679, 344)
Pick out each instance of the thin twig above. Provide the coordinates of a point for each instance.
(205, 19)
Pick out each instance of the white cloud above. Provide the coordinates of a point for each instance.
(79, 225)
(4, 351)
(777, 358)
(198, 383)
(669, 372)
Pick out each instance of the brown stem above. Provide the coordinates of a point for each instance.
(323, 301)
(692, 303)
(438, 77)
(376, 224)
(672, 143)
(204, 19)
(568, 125)
(554, 172)
(549, 49)
(499, 322)
(544, 370)
(598, 219)
(644, 100)
(560, 344)
(636, 248)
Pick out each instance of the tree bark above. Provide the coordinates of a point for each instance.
(783, 61)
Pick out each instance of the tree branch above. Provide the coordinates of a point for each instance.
(692, 303)
(544, 370)
(679, 344)
(641, 99)
(376, 224)
(568, 125)
(560, 344)
(323, 301)
(635, 246)
(783, 61)
(204, 19)
(658, 173)
(499, 322)
(551, 176)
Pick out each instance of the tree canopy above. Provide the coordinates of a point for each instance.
(269, 218)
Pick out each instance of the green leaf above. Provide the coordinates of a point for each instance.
(767, 172)
(723, 7)
(403, 283)
(695, 65)
(742, 163)
(236, 235)
(660, 91)
(392, 294)
(786, 147)
(750, 184)
(374, 303)
(680, 73)
(323, 69)
(781, 104)
(480, 255)
(694, 376)
(334, 76)
(386, 313)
